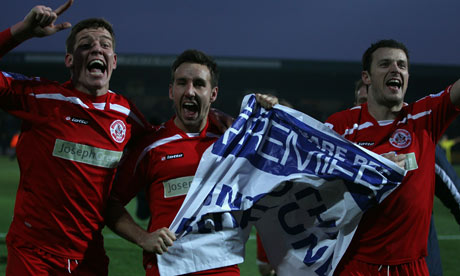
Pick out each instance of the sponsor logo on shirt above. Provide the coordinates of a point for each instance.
(401, 138)
(177, 186)
(86, 154)
(172, 156)
(411, 162)
(118, 131)
(366, 144)
(77, 120)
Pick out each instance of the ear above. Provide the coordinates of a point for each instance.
(366, 77)
(68, 60)
(214, 94)
(171, 96)
(114, 61)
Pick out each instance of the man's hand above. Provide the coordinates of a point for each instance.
(266, 100)
(158, 241)
(399, 159)
(40, 22)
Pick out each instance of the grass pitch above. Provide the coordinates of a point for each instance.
(126, 258)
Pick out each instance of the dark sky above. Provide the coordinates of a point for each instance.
(294, 29)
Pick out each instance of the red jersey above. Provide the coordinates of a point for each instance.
(261, 255)
(68, 150)
(165, 163)
(396, 231)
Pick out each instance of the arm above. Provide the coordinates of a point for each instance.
(447, 187)
(455, 94)
(224, 121)
(122, 223)
(266, 100)
(37, 23)
(40, 22)
(129, 180)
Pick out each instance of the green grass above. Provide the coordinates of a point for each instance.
(126, 258)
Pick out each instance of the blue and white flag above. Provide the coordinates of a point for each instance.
(302, 185)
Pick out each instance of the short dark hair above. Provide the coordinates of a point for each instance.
(196, 56)
(386, 43)
(90, 23)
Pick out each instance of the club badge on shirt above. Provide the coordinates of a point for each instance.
(401, 139)
(118, 131)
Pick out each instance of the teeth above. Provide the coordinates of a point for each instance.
(190, 106)
(96, 61)
(394, 82)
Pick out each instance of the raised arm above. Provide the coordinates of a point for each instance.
(40, 22)
(266, 100)
(223, 121)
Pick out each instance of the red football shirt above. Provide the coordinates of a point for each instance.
(396, 230)
(68, 151)
(164, 162)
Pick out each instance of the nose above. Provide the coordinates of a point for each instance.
(394, 67)
(96, 48)
(190, 89)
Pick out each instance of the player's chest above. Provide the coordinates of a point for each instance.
(178, 158)
(73, 124)
(398, 138)
(174, 167)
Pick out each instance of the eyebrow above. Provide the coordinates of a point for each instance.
(87, 36)
(390, 59)
(192, 79)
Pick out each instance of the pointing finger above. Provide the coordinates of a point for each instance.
(64, 7)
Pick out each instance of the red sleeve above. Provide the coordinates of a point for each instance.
(261, 255)
(7, 43)
(12, 93)
(336, 122)
(130, 177)
(444, 111)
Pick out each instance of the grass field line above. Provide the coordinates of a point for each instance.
(253, 237)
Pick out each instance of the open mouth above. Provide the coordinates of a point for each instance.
(96, 66)
(394, 83)
(191, 109)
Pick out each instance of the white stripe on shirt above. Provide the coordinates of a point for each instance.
(99, 106)
(60, 97)
(154, 145)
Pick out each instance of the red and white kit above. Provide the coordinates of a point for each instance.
(165, 164)
(396, 231)
(68, 151)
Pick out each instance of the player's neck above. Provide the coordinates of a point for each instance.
(90, 90)
(190, 128)
(381, 112)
